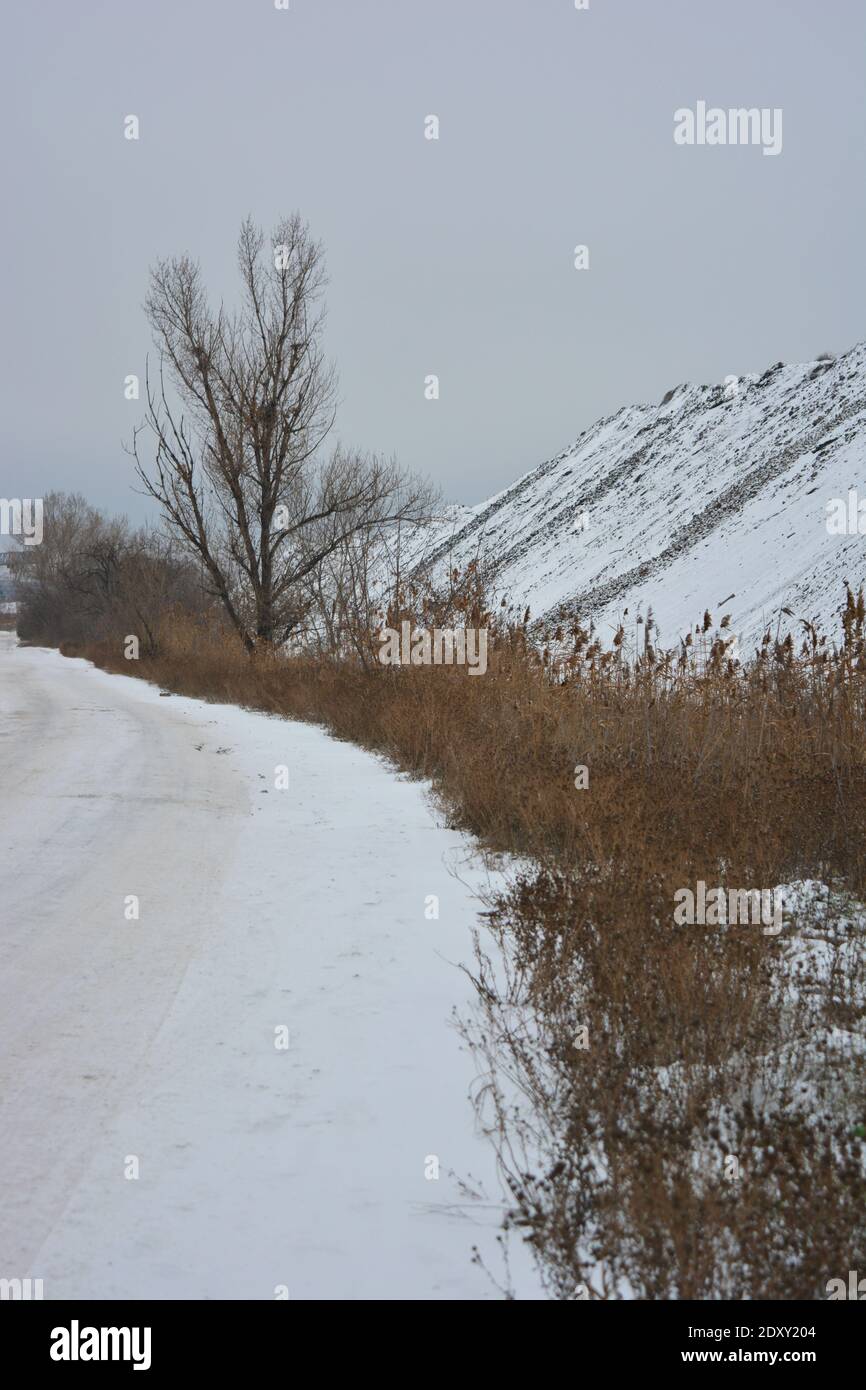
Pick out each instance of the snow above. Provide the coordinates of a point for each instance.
(689, 502)
(155, 1039)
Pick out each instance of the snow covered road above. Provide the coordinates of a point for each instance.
(154, 1043)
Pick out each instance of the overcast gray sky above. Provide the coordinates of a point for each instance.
(453, 257)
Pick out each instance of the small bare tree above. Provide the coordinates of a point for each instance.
(237, 467)
(94, 577)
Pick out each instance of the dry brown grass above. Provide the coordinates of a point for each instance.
(699, 768)
(763, 766)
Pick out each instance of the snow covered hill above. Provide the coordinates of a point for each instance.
(716, 498)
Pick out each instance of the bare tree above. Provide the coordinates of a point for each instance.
(237, 467)
(94, 577)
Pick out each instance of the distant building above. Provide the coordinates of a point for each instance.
(7, 583)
